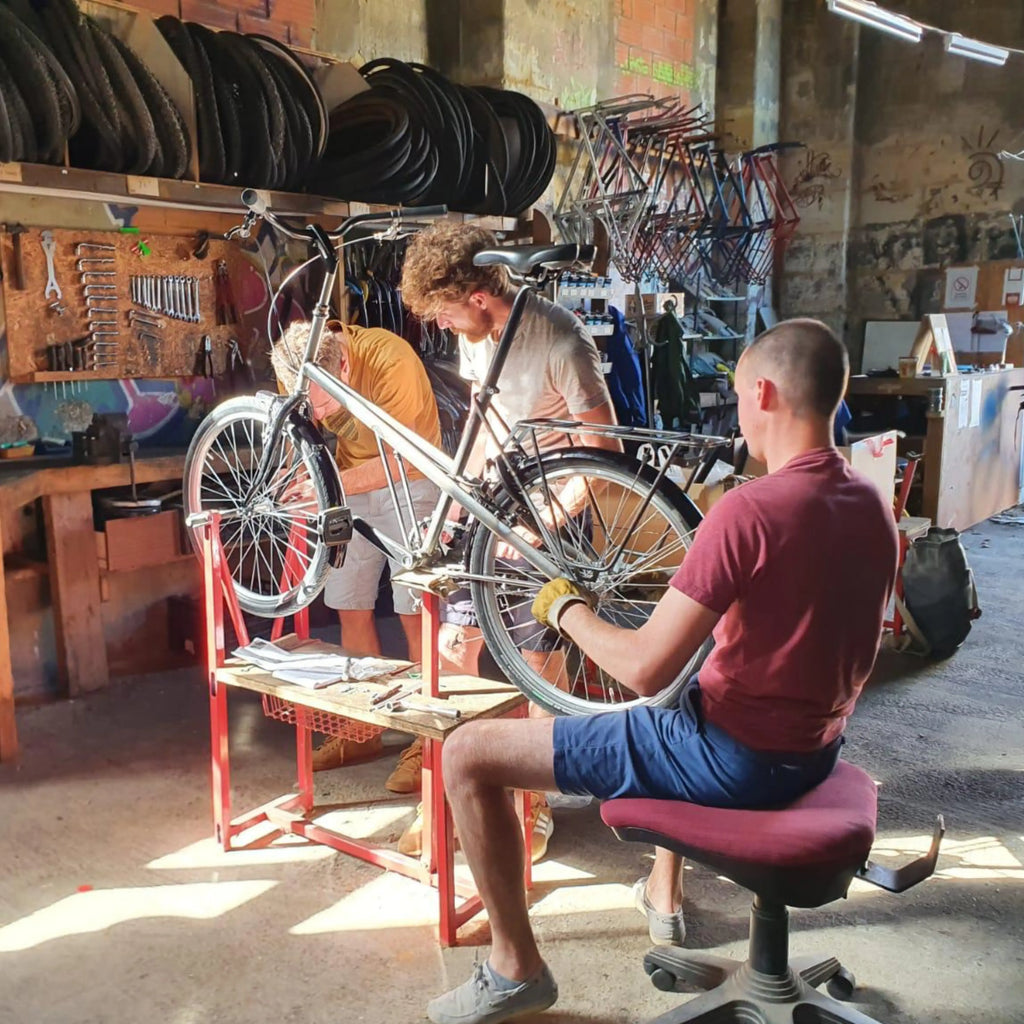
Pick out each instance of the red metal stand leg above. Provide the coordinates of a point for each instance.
(220, 766)
(289, 576)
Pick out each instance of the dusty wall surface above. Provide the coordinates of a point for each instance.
(903, 174)
(748, 76)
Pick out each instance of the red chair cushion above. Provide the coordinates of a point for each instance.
(833, 824)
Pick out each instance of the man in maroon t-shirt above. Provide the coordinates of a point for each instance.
(791, 573)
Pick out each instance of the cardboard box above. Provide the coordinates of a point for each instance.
(137, 541)
(704, 496)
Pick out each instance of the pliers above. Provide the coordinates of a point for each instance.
(204, 358)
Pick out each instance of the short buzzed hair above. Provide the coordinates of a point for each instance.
(807, 362)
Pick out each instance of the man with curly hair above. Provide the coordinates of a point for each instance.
(553, 371)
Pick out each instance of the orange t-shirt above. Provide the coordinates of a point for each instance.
(385, 369)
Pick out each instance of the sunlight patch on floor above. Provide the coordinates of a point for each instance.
(97, 909)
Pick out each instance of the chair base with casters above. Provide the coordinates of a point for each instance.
(803, 855)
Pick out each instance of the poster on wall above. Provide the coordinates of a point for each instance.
(961, 287)
(1013, 286)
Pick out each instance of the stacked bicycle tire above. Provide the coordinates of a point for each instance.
(418, 139)
(66, 81)
(261, 120)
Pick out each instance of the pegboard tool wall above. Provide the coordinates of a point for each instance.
(33, 325)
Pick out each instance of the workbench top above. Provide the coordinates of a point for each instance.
(20, 483)
(473, 697)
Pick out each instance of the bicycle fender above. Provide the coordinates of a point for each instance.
(309, 434)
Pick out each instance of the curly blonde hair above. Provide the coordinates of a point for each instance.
(287, 352)
(438, 267)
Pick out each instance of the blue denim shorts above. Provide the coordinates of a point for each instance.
(672, 753)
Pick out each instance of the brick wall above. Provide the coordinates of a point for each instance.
(290, 21)
(654, 51)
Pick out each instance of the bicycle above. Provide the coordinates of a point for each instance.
(616, 525)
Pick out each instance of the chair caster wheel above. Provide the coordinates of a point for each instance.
(663, 980)
(842, 984)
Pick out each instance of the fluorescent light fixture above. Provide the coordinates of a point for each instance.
(964, 47)
(871, 14)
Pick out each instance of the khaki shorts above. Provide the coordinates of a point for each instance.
(354, 586)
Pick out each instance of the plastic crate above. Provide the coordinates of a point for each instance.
(319, 721)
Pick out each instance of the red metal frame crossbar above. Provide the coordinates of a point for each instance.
(436, 865)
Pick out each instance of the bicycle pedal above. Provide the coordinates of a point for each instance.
(335, 525)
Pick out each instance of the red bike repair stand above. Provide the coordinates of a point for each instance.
(293, 813)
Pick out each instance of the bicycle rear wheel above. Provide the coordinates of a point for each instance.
(624, 545)
(270, 534)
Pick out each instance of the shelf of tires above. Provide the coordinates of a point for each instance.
(107, 101)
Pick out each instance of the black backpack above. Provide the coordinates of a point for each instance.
(939, 597)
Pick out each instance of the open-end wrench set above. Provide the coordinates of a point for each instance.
(109, 304)
(173, 295)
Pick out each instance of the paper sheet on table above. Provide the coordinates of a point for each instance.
(305, 667)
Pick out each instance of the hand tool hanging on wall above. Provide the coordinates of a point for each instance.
(49, 248)
(16, 231)
(204, 358)
(173, 295)
(226, 310)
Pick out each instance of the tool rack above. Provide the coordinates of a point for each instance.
(351, 716)
(125, 306)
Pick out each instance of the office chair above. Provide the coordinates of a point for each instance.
(803, 855)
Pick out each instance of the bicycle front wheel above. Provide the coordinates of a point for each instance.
(270, 534)
(626, 536)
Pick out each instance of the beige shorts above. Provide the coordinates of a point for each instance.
(354, 586)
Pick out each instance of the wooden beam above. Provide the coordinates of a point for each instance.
(8, 729)
(75, 586)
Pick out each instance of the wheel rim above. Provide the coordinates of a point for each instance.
(269, 534)
(624, 548)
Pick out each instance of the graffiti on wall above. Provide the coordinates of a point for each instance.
(985, 168)
(810, 184)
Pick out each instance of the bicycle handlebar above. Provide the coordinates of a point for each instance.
(257, 206)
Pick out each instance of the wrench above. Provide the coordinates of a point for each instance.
(50, 247)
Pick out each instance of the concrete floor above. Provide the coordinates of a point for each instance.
(116, 907)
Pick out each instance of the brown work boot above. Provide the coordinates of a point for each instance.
(406, 778)
(410, 842)
(337, 752)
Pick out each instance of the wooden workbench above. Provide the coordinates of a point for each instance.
(972, 460)
(66, 493)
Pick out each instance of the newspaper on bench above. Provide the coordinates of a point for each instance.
(312, 669)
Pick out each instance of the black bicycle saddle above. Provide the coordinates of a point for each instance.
(521, 259)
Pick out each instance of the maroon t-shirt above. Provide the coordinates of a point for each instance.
(800, 563)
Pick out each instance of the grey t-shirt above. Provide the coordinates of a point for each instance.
(553, 370)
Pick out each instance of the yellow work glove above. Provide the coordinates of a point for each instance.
(553, 598)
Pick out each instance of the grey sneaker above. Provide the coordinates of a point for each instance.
(664, 929)
(479, 1001)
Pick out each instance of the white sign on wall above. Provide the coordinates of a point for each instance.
(961, 287)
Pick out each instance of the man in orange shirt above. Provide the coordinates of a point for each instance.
(385, 369)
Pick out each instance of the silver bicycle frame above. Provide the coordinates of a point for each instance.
(446, 473)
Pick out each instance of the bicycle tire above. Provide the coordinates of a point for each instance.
(172, 147)
(623, 596)
(139, 144)
(256, 532)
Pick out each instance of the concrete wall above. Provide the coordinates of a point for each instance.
(902, 175)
